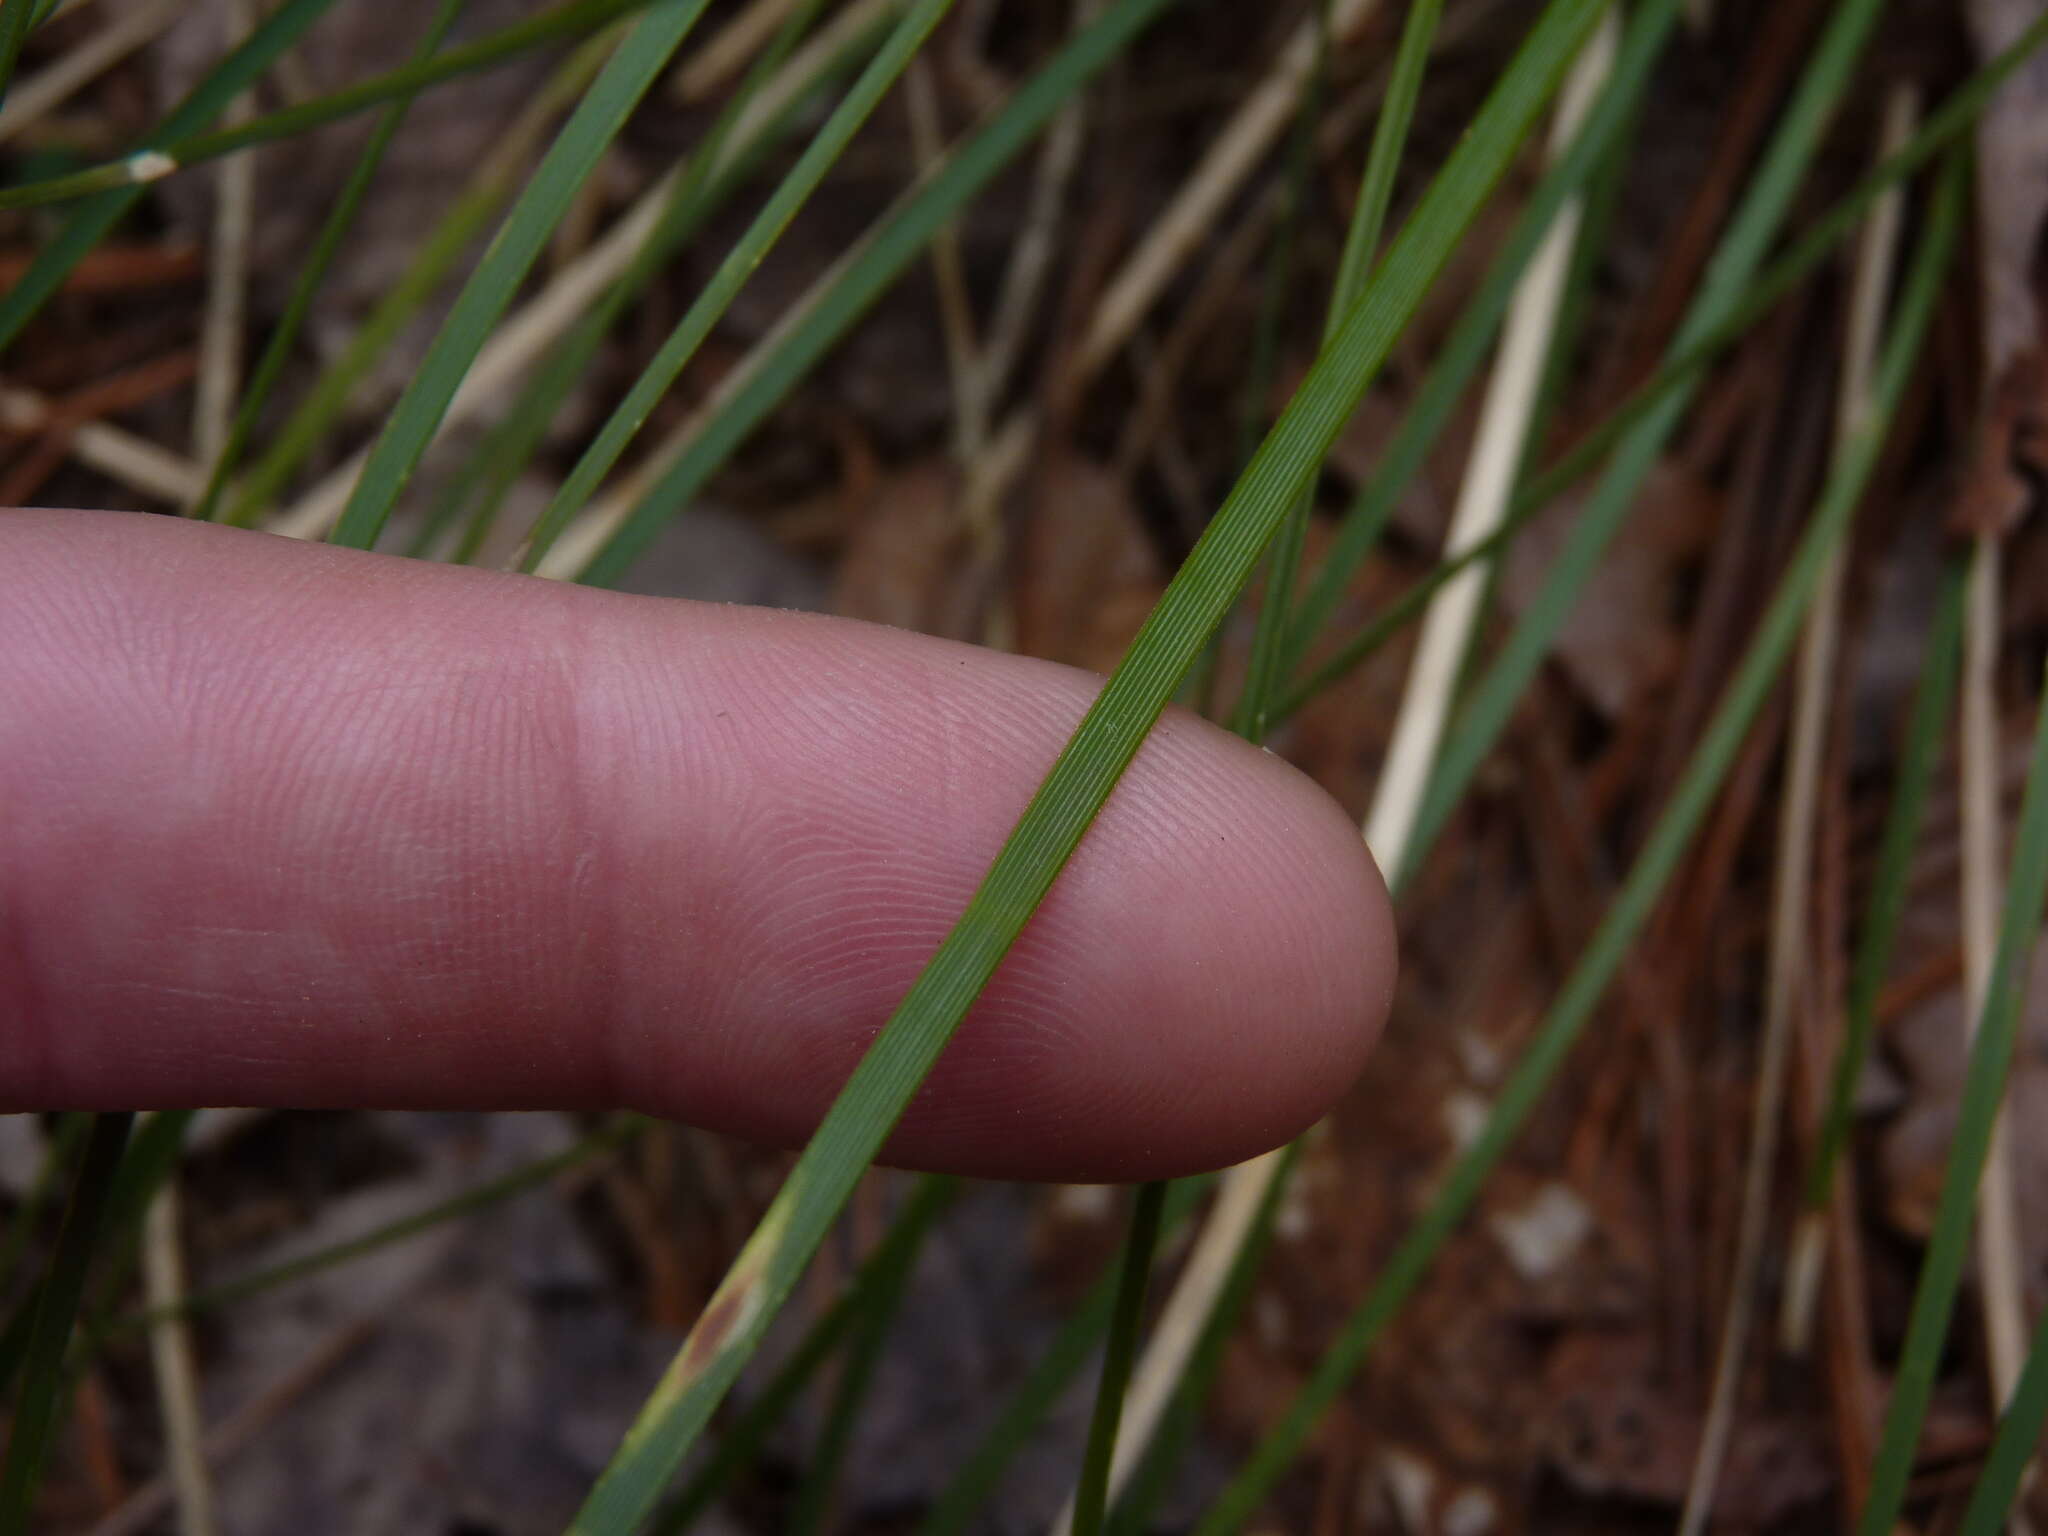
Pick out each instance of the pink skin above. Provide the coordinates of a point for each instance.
(289, 825)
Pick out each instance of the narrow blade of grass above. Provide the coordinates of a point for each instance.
(1933, 698)
(740, 263)
(1983, 1092)
(1091, 1495)
(613, 1134)
(184, 149)
(1361, 242)
(634, 66)
(152, 1153)
(2012, 1449)
(1643, 44)
(1080, 781)
(312, 273)
(16, 18)
(1153, 1474)
(1695, 792)
(89, 224)
(42, 1388)
(974, 1482)
(63, 1147)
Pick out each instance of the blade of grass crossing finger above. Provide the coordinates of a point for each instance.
(1933, 697)
(1361, 242)
(1081, 779)
(1983, 1092)
(312, 273)
(975, 1481)
(747, 254)
(185, 149)
(809, 330)
(634, 66)
(1695, 792)
(1821, 86)
(875, 1289)
(89, 224)
(1649, 28)
(2013, 1447)
(35, 1414)
(1091, 1497)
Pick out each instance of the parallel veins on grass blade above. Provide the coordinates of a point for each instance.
(1087, 770)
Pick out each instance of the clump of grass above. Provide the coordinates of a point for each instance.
(597, 523)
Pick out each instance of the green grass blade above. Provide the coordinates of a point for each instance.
(89, 224)
(1390, 136)
(871, 1294)
(1983, 1091)
(881, 1295)
(975, 1480)
(1149, 1480)
(42, 1389)
(312, 273)
(1472, 337)
(1383, 160)
(16, 18)
(803, 337)
(185, 150)
(607, 1138)
(71, 1130)
(1697, 787)
(1091, 1495)
(1932, 699)
(152, 1153)
(1405, 609)
(2012, 1449)
(739, 264)
(633, 67)
(1080, 781)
